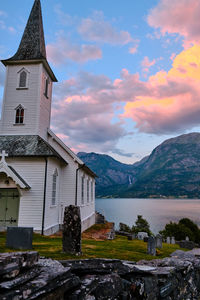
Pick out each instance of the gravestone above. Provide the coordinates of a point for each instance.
(151, 246)
(173, 240)
(187, 239)
(141, 235)
(72, 230)
(168, 240)
(159, 241)
(131, 236)
(19, 238)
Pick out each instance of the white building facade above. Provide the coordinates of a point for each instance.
(39, 174)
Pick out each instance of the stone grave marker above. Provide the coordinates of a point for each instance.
(168, 240)
(173, 240)
(72, 230)
(19, 238)
(151, 246)
(187, 239)
(159, 241)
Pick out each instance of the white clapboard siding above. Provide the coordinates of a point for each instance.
(32, 170)
(52, 212)
(37, 106)
(68, 185)
(45, 105)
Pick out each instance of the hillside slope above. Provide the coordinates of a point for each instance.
(171, 170)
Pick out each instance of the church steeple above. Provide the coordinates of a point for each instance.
(32, 46)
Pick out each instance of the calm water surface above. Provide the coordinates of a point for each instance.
(157, 212)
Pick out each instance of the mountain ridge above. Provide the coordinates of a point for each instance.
(171, 170)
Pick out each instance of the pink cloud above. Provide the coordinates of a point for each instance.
(147, 64)
(63, 50)
(85, 106)
(177, 17)
(97, 29)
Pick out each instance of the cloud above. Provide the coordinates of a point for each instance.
(97, 29)
(147, 64)
(84, 107)
(177, 17)
(84, 112)
(173, 102)
(63, 51)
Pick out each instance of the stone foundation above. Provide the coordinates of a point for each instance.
(23, 276)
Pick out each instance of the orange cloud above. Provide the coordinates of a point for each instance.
(175, 103)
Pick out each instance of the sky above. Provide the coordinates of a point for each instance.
(128, 71)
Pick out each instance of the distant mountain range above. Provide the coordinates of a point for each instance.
(171, 170)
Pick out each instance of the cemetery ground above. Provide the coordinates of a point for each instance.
(94, 246)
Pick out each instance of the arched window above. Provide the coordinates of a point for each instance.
(46, 91)
(19, 117)
(22, 79)
(54, 187)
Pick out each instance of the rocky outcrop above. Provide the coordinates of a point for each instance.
(172, 278)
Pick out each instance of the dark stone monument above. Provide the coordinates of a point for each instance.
(72, 230)
(151, 246)
(20, 238)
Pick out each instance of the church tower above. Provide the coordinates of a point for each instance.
(26, 107)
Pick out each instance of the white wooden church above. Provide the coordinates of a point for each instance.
(39, 174)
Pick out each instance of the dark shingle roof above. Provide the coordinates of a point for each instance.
(27, 145)
(32, 44)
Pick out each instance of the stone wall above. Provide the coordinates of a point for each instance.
(23, 276)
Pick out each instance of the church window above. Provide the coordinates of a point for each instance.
(82, 190)
(19, 117)
(23, 79)
(46, 91)
(88, 184)
(92, 190)
(54, 187)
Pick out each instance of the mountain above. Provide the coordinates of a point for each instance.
(171, 170)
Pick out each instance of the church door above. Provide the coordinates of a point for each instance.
(9, 207)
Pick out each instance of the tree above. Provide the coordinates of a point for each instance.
(179, 231)
(193, 227)
(141, 225)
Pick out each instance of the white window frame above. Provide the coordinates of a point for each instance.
(19, 77)
(20, 107)
(54, 188)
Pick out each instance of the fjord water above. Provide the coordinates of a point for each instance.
(157, 212)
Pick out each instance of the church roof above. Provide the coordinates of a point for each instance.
(32, 46)
(27, 145)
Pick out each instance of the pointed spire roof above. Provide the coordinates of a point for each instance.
(32, 46)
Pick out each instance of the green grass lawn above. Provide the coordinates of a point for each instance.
(120, 248)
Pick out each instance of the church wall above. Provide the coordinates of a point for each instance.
(44, 105)
(32, 171)
(87, 204)
(27, 97)
(52, 212)
(69, 188)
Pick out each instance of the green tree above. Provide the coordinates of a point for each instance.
(179, 231)
(141, 225)
(124, 227)
(193, 227)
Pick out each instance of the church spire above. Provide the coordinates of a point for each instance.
(32, 44)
